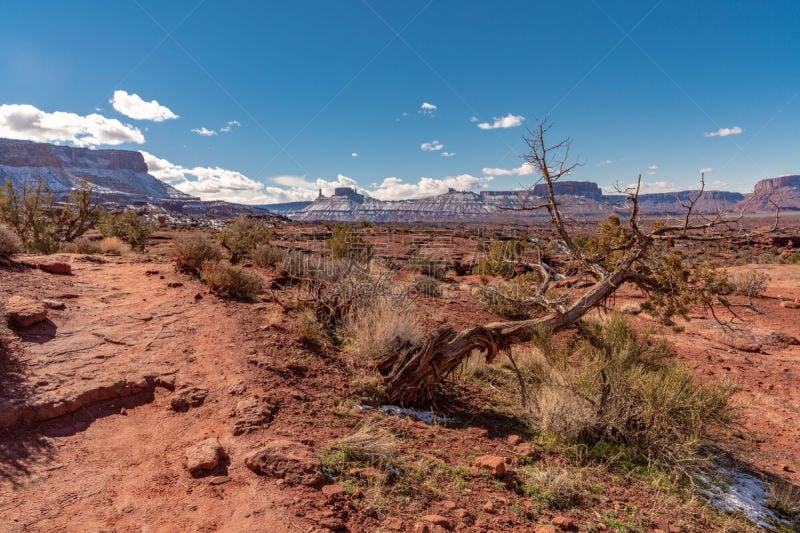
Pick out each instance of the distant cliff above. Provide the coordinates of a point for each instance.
(783, 190)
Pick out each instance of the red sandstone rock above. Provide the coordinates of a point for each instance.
(23, 312)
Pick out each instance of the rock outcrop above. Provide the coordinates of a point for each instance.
(783, 190)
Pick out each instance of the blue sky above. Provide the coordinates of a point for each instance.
(267, 101)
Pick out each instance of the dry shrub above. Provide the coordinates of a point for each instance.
(427, 286)
(749, 283)
(346, 243)
(10, 244)
(232, 281)
(370, 445)
(382, 327)
(81, 245)
(511, 300)
(428, 265)
(191, 251)
(551, 487)
(112, 245)
(266, 255)
(243, 235)
(626, 389)
(784, 498)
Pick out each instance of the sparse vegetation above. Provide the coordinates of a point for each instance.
(244, 235)
(784, 498)
(266, 255)
(381, 327)
(750, 283)
(10, 244)
(501, 260)
(112, 245)
(427, 286)
(550, 487)
(346, 243)
(233, 281)
(81, 245)
(192, 250)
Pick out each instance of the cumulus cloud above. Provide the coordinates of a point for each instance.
(204, 132)
(433, 146)
(448, 154)
(427, 109)
(395, 189)
(474, 119)
(525, 169)
(652, 167)
(724, 132)
(26, 122)
(209, 183)
(229, 126)
(706, 170)
(132, 106)
(647, 187)
(298, 188)
(604, 163)
(354, 154)
(508, 121)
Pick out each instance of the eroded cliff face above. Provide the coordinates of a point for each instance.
(783, 190)
(115, 175)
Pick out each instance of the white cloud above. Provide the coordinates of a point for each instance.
(508, 121)
(427, 109)
(395, 189)
(298, 188)
(204, 132)
(26, 122)
(229, 126)
(132, 106)
(647, 187)
(354, 154)
(448, 154)
(524, 169)
(604, 163)
(433, 146)
(652, 167)
(706, 170)
(651, 173)
(474, 119)
(724, 132)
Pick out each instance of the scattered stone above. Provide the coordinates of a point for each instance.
(332, 524)
(203, 456)
(219, 480)
(438, 520)
(288, 460)
(461, 514)
(56, 268)
(525, 450)
(393, 523)
(174, 284)
(23, 312)
(545, 529)
(54, 304)
(489, 507)
(449, 504)
(495, 463)
(252, 414)
(187, 397)
(150, 272)
(789, 304)
(237, 388)
(422, 527)
(514, 440)
(333, 492)
(563, 523)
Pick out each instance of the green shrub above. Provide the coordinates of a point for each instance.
(232, 281)
(128, 226)
(511, 300)
(243, 235)
(10, 244)
(80, 245)
(192, 250)
(266, 255)
(346, 243)
(626, 389)
(501, 260)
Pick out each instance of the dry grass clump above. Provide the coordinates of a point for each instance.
(232, 281)
(513, 299)
(382, 327)
(10, 243)
(112, 245)
(551, 487)
(243, 235)
(626, 389)
(784, 498)
(81, 245)
(749, 283)
(428, 265)
(369, 445)
(427, 286)
(191, 251)
(266, 255)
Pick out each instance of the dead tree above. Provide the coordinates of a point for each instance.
(621, 252)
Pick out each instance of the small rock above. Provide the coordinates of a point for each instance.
(23, 312)
(789, 304)
(54, 304)
(288, 460)
(525, 450)
(174, 284)
(187, 397)
(563, 523)
(237, 388)
(787, 468)
(438, 520)
(198, 296)
(332, 523)
(422, 527)
(203, 456)
(461, 514)
(495, 463)
(333, 492)
(545, 529)
(489, 507)
(514, 440)
(393, 523)
(219, 480)
(449, 505)
(56, 268)
(252, 414)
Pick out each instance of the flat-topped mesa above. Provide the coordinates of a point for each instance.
(768, 185)
(587, 189)
(15, 153)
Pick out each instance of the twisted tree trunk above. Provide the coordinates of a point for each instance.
(411, 375)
